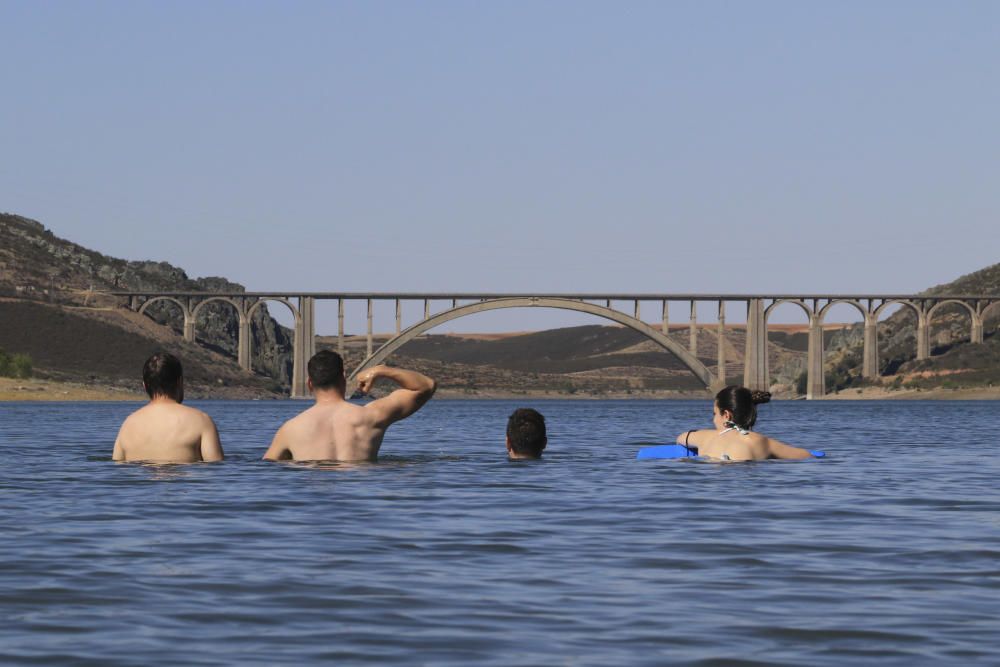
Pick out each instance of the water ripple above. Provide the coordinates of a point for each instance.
(443, 552)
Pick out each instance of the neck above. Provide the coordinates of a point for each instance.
(163, 398)
(328, 396)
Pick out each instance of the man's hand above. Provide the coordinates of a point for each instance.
(367, 379)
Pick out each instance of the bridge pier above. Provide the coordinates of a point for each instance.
(340, 327)
(693, 334)
(869, 364)
(304, 346)
(721, 356)
(815, 380)
(977, 329)
(243, 343)
(188, 328)
(368, 347)
(755, 371)
(923, 336)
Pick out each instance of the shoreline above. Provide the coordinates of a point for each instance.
(46, 390)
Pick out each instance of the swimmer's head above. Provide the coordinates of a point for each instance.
(526, 434)
(162, 375)
(737, 406)
(326, 371)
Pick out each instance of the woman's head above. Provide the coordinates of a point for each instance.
(737, 406)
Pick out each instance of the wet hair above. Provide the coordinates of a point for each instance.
(742, 403)
(162, 374)
(526, 432)
(326, 369)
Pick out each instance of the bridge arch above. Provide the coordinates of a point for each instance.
(850, 302)
(688, 359)
(939, 304)
(180, 304)
(257, 304)
(986, 309)
(901, 302)
(798, 302)
(205, 302)
(974, 319)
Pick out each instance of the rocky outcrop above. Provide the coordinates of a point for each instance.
(37, 264)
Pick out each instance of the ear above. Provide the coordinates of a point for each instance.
(509, 448)
(309, 385)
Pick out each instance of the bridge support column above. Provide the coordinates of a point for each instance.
(693, 341)
(340, 327)
(977, 329)
(305, 343)
(243, 343)
(188, 328)
(369, 346)
(815, 380)
(755, 371)
(869, 364)
(721, 357)
(923, 337)
(666, 317)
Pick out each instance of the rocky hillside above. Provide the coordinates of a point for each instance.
(36, 264)
(106, 349)
(954, 361)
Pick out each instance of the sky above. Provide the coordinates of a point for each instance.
(512, 146)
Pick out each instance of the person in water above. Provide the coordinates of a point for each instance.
(526, 434)
(164, 431)
(334, 429)
(734, 415)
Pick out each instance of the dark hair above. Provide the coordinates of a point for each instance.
(742, 403)
(326, 369)
(526, 432)
(162, 375)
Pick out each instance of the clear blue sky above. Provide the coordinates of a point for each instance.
(512, 146)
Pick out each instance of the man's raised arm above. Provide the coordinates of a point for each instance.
(415, 389)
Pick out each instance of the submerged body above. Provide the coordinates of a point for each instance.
(734, 413)
(336, 430)
(332, 430)
(164, 431)
(731, 444)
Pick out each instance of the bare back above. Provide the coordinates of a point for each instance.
(165, 431)
(336, 430)
(339, 431)
(734, 445)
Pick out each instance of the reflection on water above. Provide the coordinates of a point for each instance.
(445, 552)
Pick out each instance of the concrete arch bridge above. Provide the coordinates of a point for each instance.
(759, 308)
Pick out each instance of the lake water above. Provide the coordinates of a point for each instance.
(443, 552)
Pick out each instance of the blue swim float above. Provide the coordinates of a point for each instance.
(683, 452)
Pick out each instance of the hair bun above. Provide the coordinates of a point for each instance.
(758, 396)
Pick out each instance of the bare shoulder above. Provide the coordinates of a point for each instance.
(696, 438)
(194, 414)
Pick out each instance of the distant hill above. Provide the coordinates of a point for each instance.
(50, 313)
(35, 264)
(108, 348)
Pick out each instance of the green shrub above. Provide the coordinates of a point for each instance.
(21, 366)
(17, 366)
